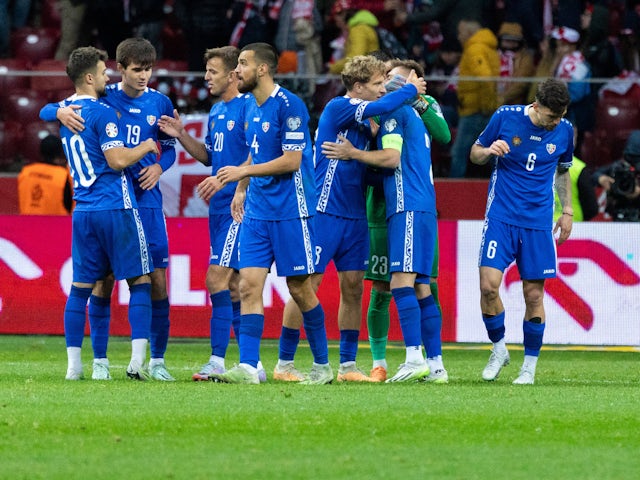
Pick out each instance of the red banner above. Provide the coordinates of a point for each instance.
(594, 299)
(35, 278)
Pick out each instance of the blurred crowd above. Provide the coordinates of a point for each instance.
(583, 42)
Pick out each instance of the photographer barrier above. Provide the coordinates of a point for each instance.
(593, 301)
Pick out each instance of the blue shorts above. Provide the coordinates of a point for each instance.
(343, 240)
(155, 229)
(412, 240)
(534, 251)
(223, 240)
(107, 241)
(289, 242)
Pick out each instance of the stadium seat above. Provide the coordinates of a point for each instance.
(112, 68)
(616, 117)
(50, 14)
(10, 81)
(32, 135)
(164, 66)
(56, 85)
(617, 113)
(592, 151)
(163, 72)
(23, 107)
(174, 43)
(441, 156)
(34, 44)
(324, 92)
(10, 140)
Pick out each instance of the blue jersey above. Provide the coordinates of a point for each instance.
(340, 184)
(139, 120)
(410, 185)
(226, 145)
(96, 186)
(280, 124)
(521, 191)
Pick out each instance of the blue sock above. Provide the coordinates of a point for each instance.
(313, 322)
(348, 345)
(251, 327)
(495, 326)
(99, 320)
(289, 339)
(140, 310)
(235, 322)
(533, 333)
(75, 316)
(431, 326)
(159, 327)
(221, 313)
(408, 314)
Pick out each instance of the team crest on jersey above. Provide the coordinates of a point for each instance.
(265, 126)
(551, 148)
(151, 119)
(293, 123)
(231, 124)
(516, 141)
(390, 125)
(111, 129)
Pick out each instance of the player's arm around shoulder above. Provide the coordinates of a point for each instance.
(387, 157)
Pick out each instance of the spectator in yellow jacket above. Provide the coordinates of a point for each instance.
(362, 37)
(477, 99)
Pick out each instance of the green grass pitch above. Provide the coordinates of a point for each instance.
(581, 420)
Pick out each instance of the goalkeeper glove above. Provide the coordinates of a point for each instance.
(420, 105)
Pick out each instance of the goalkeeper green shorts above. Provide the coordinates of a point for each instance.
(378, 267)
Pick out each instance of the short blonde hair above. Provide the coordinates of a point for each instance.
(360, 69)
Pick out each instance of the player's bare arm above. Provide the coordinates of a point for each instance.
(150, 176)
(344, 150)
(481, 155)
(563, 188)
(68, 117)
(174, 127)
(237, 203)
(120, 158)
(208, 187)
(287, 163)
